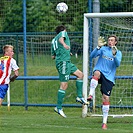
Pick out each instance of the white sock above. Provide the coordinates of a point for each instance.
(93, 86)
(105, 109)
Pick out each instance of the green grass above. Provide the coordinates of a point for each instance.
(45, 120)
(45, 92)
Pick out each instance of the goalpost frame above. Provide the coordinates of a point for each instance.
(86, 46)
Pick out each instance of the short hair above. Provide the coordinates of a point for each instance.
(60, 28)
(6, 47)
(116, 38)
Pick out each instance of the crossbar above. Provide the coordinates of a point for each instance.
(114, 14)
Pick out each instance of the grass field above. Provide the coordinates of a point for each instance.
(45, 120)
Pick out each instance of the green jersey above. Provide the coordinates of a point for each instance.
(58, 50)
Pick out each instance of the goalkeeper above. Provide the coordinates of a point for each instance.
(104, 71)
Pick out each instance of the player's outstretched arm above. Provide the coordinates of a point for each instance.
(101, 42)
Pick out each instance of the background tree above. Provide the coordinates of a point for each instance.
(43, 17)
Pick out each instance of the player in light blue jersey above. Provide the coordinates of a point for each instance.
(104, 71)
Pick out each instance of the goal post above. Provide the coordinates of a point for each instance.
(119, 23)
(8, 98)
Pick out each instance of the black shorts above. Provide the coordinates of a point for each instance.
(106, 85)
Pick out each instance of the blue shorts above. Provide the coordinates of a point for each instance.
(3, 90)
(106, 85)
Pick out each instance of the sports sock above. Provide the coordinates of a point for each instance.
(61, 95)
(79, 85)
(105, 109)
(93, 85)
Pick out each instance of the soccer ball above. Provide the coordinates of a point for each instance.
(62, 7)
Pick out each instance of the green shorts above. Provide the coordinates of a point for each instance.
(65, 68)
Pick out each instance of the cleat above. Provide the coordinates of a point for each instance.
(82, 101)
(90, 98)
(104, 126)
(60, 112)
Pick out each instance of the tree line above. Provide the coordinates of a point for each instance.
(41, 14)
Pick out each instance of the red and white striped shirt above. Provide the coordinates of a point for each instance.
(7, 64)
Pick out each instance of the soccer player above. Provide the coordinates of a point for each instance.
(61, 53)
(104, 71)
(7, 64)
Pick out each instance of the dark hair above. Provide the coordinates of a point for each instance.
(116, 38)
(59, 29)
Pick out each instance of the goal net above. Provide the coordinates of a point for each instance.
(105, 24)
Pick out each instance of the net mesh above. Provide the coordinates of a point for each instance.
(122, 93)
(42, 18)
